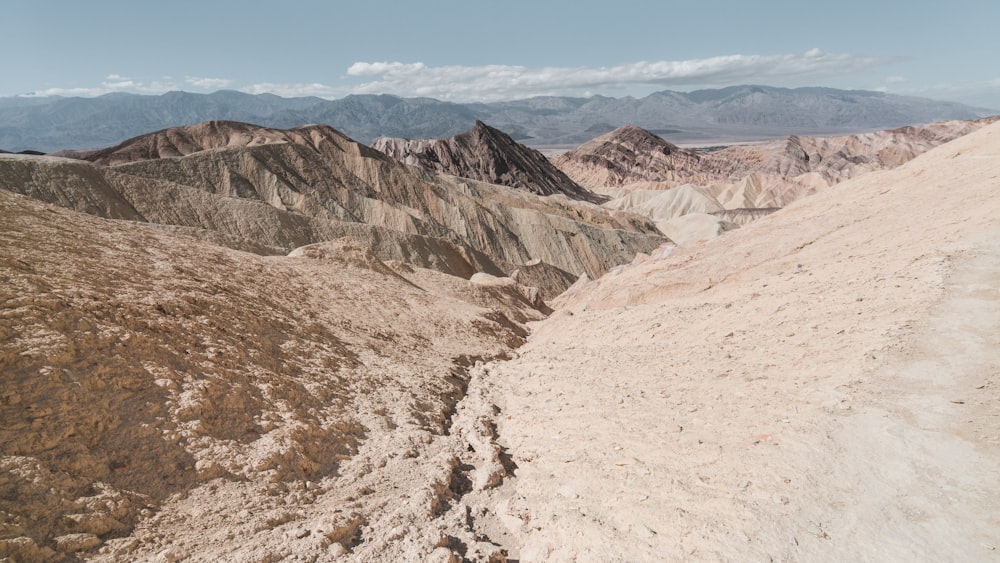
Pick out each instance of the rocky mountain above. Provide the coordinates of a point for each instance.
(629, 155)
(833, 159)
(645, 174)
(735, 113)
(489, 155)
(271, 191)
(182, 141)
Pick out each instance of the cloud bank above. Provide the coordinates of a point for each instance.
(119, 83)
(296, 90)
(503, 82)
(507, 82)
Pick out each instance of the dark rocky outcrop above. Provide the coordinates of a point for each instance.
(488, 155)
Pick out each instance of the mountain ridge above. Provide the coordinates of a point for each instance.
(84, 123)
(281, 189)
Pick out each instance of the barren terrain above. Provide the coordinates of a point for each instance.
(820, 384)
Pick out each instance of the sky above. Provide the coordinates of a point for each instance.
(491, 50)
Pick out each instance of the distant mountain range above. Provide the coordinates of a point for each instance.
(721, 115)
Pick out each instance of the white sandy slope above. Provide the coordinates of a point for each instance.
(821, 385)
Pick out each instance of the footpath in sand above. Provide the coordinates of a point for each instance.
(820, 385)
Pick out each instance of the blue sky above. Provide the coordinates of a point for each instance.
(488, 50)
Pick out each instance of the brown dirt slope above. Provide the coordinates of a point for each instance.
(165, 397)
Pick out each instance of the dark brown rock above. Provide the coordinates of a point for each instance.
(488, 155)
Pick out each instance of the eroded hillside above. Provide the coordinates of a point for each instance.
(292, 402)
(274, 190)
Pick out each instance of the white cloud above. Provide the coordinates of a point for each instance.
(111, 83)
(119, 83)
(295, 90)
(81, 92)
(208, 83)
(499, 82)
(376, 69)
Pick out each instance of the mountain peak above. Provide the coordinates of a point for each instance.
(638, 137)
(486, 154)
(627, 154)
(207, 135)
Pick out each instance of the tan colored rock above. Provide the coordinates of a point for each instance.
(64, 182)
(625, 156)
(70, 543)
(23, 548)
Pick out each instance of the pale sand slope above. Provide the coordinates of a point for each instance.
(724, 404)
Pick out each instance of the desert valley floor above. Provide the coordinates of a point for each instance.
(249, 381)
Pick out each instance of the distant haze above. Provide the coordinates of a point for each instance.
(721, 115)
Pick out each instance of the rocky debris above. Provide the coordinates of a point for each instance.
(347, 251)
(530, 294)
(488, 155)
(166, 397)
(76, 542)
(24, 548)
